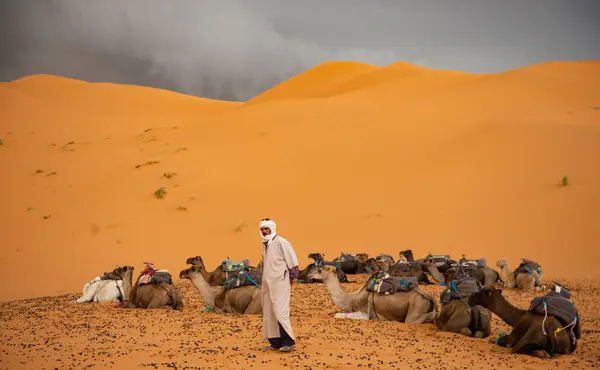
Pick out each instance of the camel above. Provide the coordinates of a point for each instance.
(532, 334)
(218, 276)
(150, 296)
(522, 280)
(102, 289)
(245, 299)
(410, 307)
(406, 269)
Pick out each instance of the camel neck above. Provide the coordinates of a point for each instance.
(340, 298)
(127, 282)
(208, 294)
(506, 311)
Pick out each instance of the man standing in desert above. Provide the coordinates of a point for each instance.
(280, 268)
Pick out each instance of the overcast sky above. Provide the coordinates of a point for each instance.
(236, 49)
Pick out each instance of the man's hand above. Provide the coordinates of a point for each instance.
(293, 272)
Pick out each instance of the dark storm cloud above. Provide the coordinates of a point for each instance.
(236, 49)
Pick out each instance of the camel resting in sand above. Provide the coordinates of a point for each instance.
(528, 280)
(532, 333)
(218, 276)
(102, 289)
(412, 307)
(486, 275)
(161, 295)
(245, 299)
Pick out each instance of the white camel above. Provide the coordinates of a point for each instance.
(98, 290)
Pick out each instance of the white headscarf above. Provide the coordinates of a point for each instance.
(271, 225)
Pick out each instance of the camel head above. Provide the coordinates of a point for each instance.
(408, 254)
(194, 261)
(190, 271)
(429, 261)
(321, 273)
(316, 256)
(486, 297)
(502, 263)
(118, 273)
(449, 275)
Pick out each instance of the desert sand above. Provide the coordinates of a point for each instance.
(346, 157)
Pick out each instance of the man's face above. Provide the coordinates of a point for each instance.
(265, 231)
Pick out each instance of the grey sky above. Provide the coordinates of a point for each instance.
(236, 49)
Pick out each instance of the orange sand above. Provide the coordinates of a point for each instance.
(345, 157)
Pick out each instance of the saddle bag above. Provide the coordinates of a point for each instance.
(243, 278)
(383, 283)
(234, 266)
(404, 267)
(560, 307)
(460, 289)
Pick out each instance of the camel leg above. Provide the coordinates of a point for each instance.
(90, 293)
(417, 311)
(459, 323)
(532, 339)
(158, 301)
(255, 306)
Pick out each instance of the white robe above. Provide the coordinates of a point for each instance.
(279, 256)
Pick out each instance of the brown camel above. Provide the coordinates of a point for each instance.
(161, 295)
(528, 334)
(245, 299)
(456, 315)
(522, 280)
(218, 276)
(411, 307)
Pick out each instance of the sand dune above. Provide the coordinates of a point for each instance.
(346, 157)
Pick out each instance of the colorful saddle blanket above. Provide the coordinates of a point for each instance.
(155, 277)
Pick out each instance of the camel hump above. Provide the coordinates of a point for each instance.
(163, 270)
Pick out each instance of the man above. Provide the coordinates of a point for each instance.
(280, 268)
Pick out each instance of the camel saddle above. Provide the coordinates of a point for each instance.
(482, 262)
(348, 258)
(558, 305)
(404, 267)
(155, 277)
(383, 283)
(461, 288)
(243, 278)
(527, 266)
(439, 259)
(464, 270)
(235, 266)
